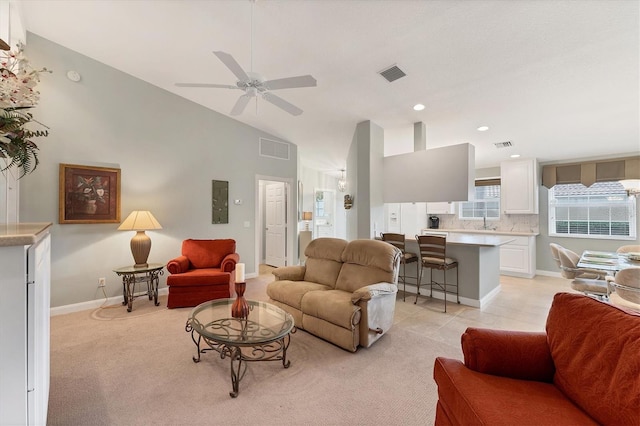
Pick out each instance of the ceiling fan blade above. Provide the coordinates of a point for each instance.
(215, 86)
(281, 103)
(234, 66)
(291, 82)
(241, 104)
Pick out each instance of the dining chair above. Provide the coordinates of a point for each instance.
(398, 241)
(629, 249)
(624, 289)
(569, 265)
(555, 248)
(588, 281)
(433, 255)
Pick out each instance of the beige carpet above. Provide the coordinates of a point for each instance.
(138, 371)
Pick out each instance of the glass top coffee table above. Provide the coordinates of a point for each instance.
(263, 336)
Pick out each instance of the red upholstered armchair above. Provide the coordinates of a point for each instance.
(584, 370)
(202, 273)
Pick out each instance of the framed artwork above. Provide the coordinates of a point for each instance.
(220, 201)
(89, 194)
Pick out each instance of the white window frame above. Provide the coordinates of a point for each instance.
(631, 203)
(461, 207)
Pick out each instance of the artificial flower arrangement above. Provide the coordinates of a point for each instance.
(18, 80)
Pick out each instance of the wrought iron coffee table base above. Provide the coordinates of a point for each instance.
(275, 350)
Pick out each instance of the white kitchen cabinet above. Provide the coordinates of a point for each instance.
(519, 186)
(441, 208)
(518, 258)
(24, 323)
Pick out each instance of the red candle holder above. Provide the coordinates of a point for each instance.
(240, 307)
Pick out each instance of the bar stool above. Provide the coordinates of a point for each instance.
(433, 249)
(398, 240)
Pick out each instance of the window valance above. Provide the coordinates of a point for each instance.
(488, 182)
(590, 172)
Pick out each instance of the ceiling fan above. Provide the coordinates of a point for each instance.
(253, 84)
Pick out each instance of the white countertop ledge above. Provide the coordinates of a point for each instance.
(21, 234)
(485, 232)
(471, 239)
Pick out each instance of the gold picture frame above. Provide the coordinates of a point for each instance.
(88, 194)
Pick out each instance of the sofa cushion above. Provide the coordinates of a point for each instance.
(333, 306)
(366, 262)
(324, 260)
(207, 253)
(205, 276)
(595, 349)
(291, 292)
(471, 398)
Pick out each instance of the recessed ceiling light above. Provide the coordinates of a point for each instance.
(514, 155)
(418, 107)
(483, 128)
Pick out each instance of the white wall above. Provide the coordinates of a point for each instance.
(168, 149)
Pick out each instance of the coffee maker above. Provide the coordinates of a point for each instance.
(434, 222)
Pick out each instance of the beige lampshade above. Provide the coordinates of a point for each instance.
(139, 221)
(306, 215)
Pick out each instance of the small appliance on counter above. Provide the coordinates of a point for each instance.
(434, 222)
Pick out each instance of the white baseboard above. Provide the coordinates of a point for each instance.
(411, 288)
(94, 304)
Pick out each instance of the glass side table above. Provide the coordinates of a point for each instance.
(263, 336)
(132, 275)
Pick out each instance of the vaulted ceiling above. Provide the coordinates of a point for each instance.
(559, 79)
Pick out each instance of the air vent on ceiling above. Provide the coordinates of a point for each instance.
(274, 149)
(503, 144)
(392, 73)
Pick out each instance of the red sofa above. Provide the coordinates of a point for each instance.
(584, 370)
(203, 272)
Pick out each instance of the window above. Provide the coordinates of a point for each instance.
(601, 211)
(486, 204)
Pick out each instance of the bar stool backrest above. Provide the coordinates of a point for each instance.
(396, 240)
(433, 248)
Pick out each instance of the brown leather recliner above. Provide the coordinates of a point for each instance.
(203, 272)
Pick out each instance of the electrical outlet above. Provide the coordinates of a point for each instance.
(102, 282)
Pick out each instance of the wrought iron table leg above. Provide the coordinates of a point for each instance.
(237, 371)
(124, 290)
(197, 343)
(129, 289)
(153, 286)
(285, 344)
(149, 278)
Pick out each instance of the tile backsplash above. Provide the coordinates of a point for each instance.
(508, 222)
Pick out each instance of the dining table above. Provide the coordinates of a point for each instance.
(608, 261)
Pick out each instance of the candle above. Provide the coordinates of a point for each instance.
(240, 272)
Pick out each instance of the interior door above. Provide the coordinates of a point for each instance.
(325, 213)
(276, 224)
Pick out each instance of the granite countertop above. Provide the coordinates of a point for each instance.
(21, 234)
(485, 231)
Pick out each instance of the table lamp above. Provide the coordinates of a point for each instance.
(306, 216)
(140, 221)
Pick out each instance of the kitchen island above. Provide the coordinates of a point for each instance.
(478, 259)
